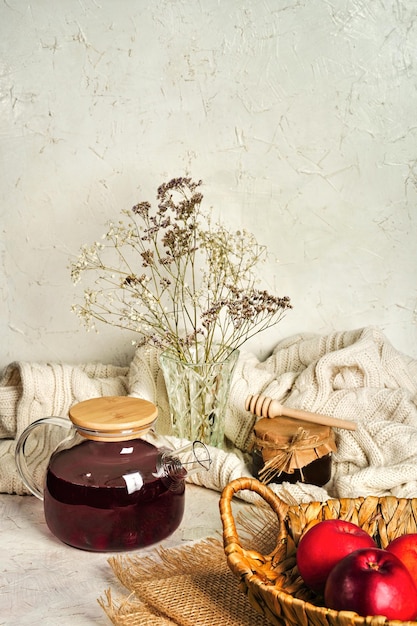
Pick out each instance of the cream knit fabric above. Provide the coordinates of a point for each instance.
(355, 375)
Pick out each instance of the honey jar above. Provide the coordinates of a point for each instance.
(292, 450)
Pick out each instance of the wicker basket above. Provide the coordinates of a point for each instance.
(272, 582)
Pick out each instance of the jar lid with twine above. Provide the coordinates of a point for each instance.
(287, 444)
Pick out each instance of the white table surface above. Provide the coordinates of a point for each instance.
(44, 582)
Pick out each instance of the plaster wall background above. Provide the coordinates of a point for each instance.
(300, 116)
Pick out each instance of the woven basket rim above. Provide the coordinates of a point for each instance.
(243, 562)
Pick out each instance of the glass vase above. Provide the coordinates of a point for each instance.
(198, 394)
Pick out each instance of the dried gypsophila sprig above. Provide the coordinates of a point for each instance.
(176, 279)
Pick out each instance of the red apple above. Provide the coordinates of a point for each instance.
(324, 545)
(372, 581)
(405, 547)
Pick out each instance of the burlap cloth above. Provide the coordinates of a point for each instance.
(187, 586)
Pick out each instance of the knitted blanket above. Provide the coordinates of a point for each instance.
(356, 375)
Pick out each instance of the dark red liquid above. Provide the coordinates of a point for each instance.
(318, 472)
(87, 503)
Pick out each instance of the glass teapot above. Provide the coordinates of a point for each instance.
(105, 488)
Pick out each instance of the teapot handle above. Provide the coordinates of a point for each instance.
(20, 456)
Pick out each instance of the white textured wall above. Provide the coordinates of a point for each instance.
(299, 115)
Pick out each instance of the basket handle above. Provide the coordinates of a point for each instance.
(230, 535)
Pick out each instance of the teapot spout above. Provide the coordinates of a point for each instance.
(176, 465)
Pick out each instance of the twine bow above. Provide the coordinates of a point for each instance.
(286, 458)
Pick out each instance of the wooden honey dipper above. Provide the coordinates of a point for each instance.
(262, 406)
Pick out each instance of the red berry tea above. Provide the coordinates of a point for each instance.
(110, 496)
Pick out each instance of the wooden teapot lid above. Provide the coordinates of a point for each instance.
(113, 418)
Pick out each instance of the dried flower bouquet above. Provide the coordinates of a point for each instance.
(177, 279)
